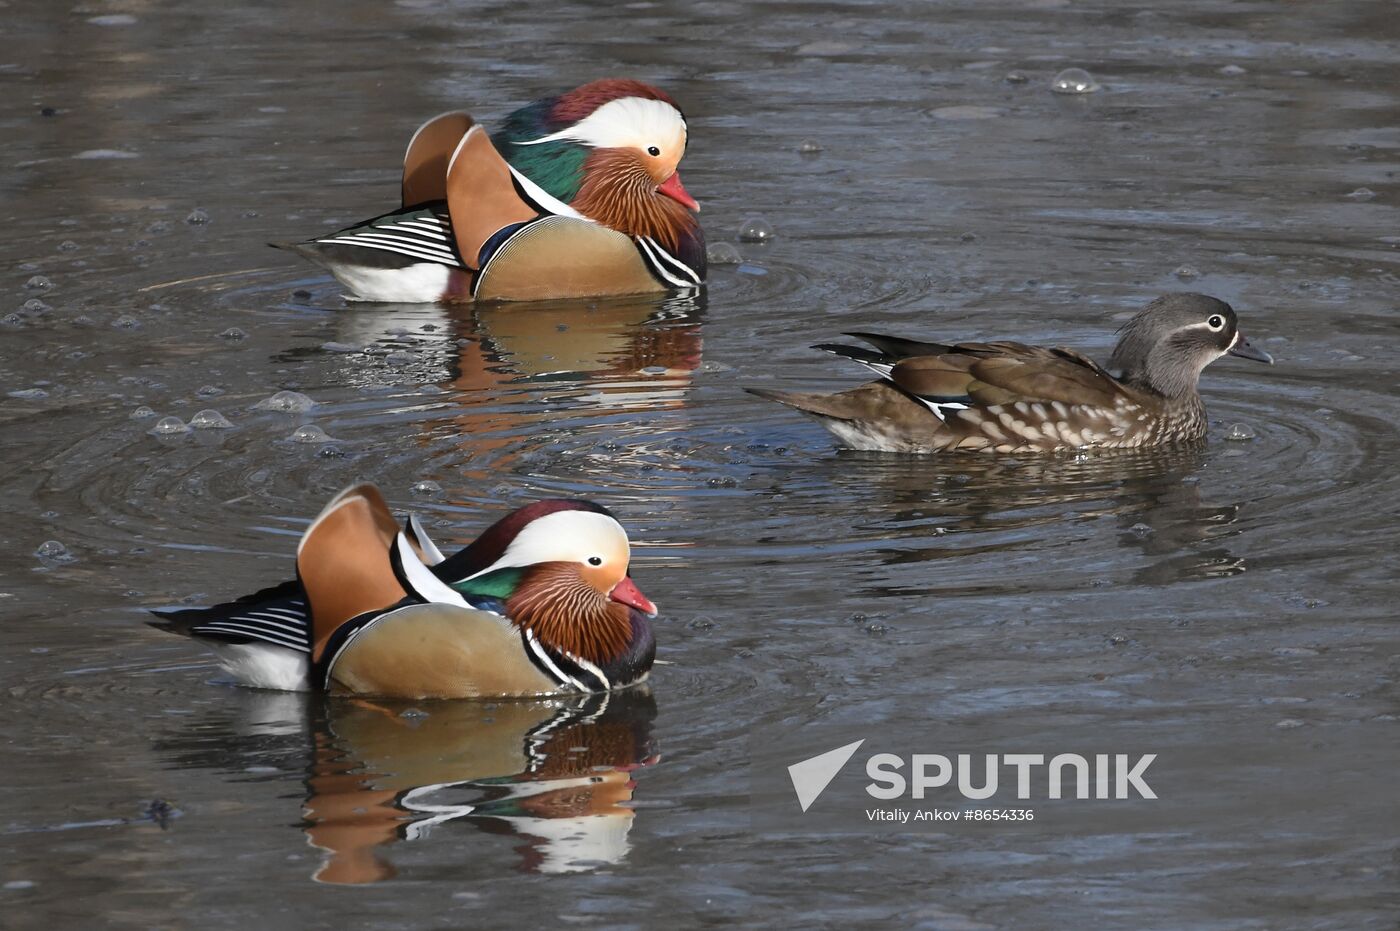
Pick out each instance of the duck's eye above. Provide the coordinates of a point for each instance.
(653, 151)
(1215, 322)
(595, 560)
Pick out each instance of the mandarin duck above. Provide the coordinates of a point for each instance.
(540, 604)
(575, 196)
(1008, 397)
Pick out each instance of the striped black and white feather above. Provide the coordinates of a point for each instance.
(665, 266)
(277, 616)
(422, 233)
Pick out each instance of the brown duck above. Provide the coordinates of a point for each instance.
(1008, 397)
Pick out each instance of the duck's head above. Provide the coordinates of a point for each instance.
(560, 566)
(611, 150)
(1167, 345)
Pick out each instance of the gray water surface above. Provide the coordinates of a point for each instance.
(1236, 587)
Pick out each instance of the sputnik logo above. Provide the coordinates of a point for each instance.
(811, 776)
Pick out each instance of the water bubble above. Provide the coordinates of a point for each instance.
(209, 391)
(723, 253)
(30, 394)
(142, 413)
(68, 245)
(711, 367)
(198, 217)
(126, 322)
(1187, 272)
(1074, 81)
(755, 229)
(159, 226)
(1361, 193)
(286, 402)
(53, 549)
(809, 147)
(1240, 432)
(330, 451)
(210, 420)
(169, 426)
(1016, 77)
(426, 488)
(38, 283)
(1233, 70)
(35, 306)
(1141, 529)
(309, 433)
(12, 320)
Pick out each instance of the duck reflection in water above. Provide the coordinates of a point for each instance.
(1158, 499)
(485, 347)
(515, 369)
(556, 774)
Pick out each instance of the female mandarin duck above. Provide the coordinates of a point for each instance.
(1011, 398)
(576, 196)
(539, 604)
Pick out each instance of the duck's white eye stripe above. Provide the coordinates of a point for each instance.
(627, 121)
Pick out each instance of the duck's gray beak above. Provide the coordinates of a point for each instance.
(1247, 350)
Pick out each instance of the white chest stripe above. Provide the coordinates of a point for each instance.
(548, 201)
(421, 579)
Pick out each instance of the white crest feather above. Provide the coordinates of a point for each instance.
(564, 536)
(630, 121)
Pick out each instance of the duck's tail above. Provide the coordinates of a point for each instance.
(836, 406)
(278, 616)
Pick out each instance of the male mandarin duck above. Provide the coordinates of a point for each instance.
(1012, 398)
(540, 604)
(575, 196)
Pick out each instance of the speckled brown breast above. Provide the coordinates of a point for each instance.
(1034, 426)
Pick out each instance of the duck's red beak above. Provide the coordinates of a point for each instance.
(629, 594)
(673, 189)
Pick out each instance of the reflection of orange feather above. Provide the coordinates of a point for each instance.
(620, 193)
(349, 818)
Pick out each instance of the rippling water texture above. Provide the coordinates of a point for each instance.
(1237, 585)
